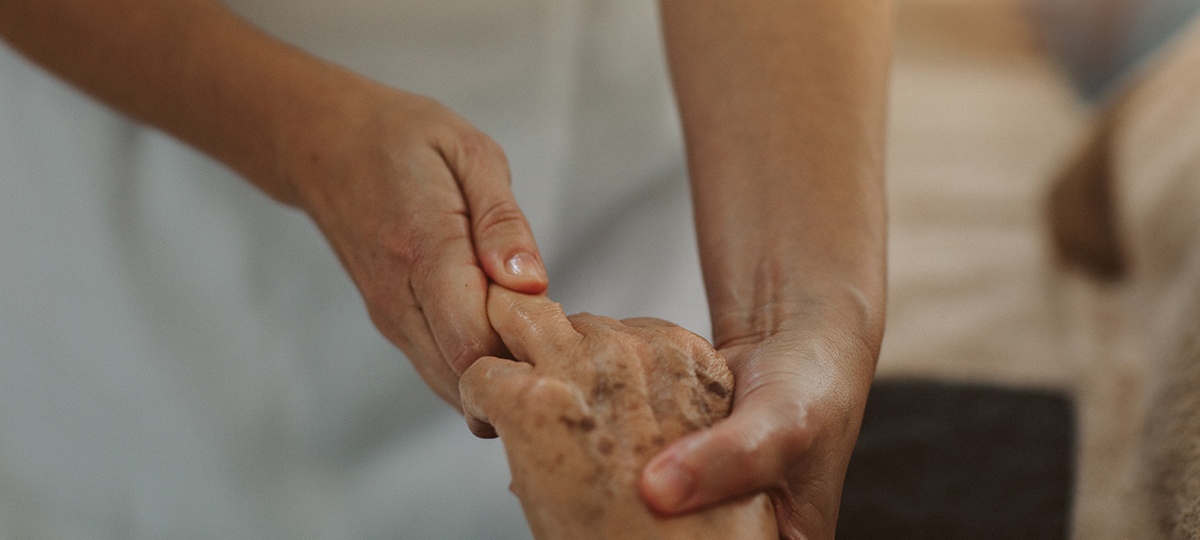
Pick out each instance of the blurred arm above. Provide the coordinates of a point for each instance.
(189, 67)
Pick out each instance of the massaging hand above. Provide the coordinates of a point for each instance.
(590, 400)
(416, 203)
(797, 407)
(414, 200)
(783, 106)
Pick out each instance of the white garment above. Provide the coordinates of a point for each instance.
(180, 357)
(574, 90)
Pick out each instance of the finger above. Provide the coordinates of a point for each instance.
(424, 354)
(748, 452)
(451, 291)
(395, 312)
(534, 328)
(501, 234)
(485, 385)
(647, 322)
(587, 324)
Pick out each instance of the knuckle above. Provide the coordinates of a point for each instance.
(417, 251)
(461, 358)
(500, 215)
(382, 305)
(400, 244)
(431, 115)
(477, 147)
(677, 346)
(603, 326)
(386, 325)
(636, 349)
(547, 311)
(738, 453)
(792, 431)
(682, 337)
(464, 354)
(552, 394)
(739, 461)
(479, 153)
(581, 318)
(765, 452)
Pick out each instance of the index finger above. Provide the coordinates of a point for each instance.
(534, 328)
(451, 290)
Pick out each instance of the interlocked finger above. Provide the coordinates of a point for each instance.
(534, 328)
(486, 387)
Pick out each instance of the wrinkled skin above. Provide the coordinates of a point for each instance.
(586, 405)
(799, 402)
(416, 203)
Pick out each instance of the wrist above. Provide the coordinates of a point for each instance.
(266, 109)
(342, 128)
(310, 128)
(839, 311)
(309, 113)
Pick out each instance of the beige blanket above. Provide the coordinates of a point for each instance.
(1144, 157)
(1109, 307)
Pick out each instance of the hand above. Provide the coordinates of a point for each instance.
(783, 106)
(414, 200)
(798, 404)
(416, 203)
(591, 400)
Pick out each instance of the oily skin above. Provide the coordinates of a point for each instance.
(783, 109)
(586, 404)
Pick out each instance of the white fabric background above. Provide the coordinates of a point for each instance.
(180, 357)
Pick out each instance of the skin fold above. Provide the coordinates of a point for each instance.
(586, 404)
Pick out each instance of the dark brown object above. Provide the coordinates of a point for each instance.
(1083, 217)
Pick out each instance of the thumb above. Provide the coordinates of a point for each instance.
(503, 239)
(747, 452)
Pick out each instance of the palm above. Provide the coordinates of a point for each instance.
(803, 399)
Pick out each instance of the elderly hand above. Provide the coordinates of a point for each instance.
(588, 403)
(797, 408)
(416, 203)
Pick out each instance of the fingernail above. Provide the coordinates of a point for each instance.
(669, 484)
(524, 265)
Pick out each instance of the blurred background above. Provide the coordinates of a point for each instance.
(137, 403)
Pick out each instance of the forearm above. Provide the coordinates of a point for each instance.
(414, 200)
(189, 67)
(783, 106)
